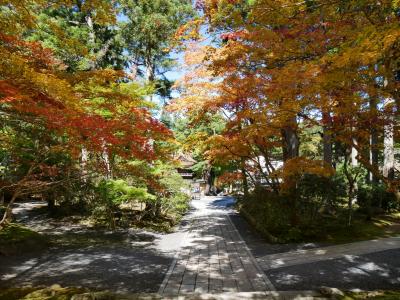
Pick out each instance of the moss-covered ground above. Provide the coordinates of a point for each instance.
(376, 295)
(15, 239)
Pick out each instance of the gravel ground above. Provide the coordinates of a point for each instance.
(101, 267)
(376, 271)
(380, 270)
(125, 261)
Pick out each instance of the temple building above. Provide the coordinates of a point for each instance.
(186, 162)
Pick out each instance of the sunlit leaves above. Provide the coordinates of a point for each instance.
(281, 66)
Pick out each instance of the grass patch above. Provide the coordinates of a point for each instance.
(336, 231)
(330, 229)
(15, 293)
(377, 295)
(160, 224)
(57, 292)
(16, 239)
(54, 292)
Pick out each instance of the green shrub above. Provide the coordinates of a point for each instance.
(111, 194)
(317, 194)
(172, 196)
(164, 200)
(119, 191)
(294, 215)
(375, 197)
(267, 211)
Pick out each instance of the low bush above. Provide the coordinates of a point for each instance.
(374, 199)
(159, 199)
(317, 211)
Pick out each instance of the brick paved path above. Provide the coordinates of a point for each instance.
(213, 257)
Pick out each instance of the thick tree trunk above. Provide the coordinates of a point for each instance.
(209, 177)
(150, 72)
(291, 143)
(388, 143)
(351, 183)
(354, 163)
(354, 153)
(374, 152)
(327, 139)
(51, 202)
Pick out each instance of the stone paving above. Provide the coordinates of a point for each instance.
(298, 257)
(213, 258)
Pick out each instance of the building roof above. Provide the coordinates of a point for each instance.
(186, 160)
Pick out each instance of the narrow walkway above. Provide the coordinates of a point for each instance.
(213, 258)
(280, 260)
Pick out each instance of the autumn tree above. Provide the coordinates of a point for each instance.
(76, 101)
(289, 70)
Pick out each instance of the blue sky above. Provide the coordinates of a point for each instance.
(177, 72)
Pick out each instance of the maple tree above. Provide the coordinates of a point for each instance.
(283, 69)
(92, 108)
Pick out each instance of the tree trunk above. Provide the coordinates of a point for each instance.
(245, 183)
(350, 203)
(150, 72)
(92, 40)
(354, 153)
(327, 139)
(84, 162)
(388, 142)
(8, 212)
(351, 182)
(230, 189)
(290, 149)
(106, 159)
(374, 152)
(290, 142)
(209, 177)
(51, 202)
(354, 186)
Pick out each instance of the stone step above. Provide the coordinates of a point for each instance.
(269, 295)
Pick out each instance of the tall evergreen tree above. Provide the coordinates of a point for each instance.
(149, 32)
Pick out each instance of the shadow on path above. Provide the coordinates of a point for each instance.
(125, 261)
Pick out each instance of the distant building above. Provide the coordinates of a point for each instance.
(260, 179)
(186, 162)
